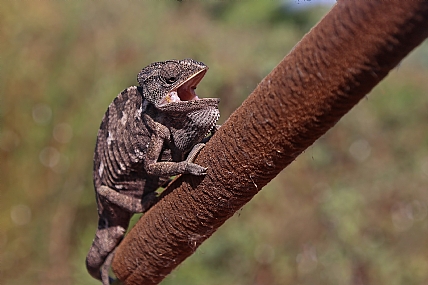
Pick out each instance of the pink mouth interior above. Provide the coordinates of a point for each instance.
(186, 92)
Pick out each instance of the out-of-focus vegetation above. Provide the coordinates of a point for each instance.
(351, 210)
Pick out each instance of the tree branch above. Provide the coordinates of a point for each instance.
(324, 76)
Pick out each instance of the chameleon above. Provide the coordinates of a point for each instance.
(148, 134)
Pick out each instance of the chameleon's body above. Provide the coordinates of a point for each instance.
(143, 140)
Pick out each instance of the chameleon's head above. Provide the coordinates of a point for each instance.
(171, 81)
(170, 87)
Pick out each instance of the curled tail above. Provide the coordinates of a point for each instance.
(101, 252)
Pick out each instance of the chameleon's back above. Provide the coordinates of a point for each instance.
(121, 145)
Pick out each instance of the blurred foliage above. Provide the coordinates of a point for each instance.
(351, 210)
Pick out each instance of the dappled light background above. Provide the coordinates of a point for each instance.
(352, 209)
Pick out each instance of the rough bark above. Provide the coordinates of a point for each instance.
(335, 65)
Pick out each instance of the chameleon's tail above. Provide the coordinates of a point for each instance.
(93, 267)
(97, 261)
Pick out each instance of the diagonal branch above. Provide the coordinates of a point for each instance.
(324, 76)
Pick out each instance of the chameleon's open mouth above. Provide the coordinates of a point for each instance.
(186, 91)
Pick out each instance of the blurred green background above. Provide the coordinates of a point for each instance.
(351, 210)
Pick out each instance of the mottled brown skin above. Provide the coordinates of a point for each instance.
(143, 140)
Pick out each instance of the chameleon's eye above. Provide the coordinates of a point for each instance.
(170, 72)
(170, 80)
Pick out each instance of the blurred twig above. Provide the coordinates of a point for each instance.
(326, 74)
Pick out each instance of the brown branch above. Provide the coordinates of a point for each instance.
(323, 77)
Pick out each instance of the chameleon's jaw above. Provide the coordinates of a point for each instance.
(185, 91)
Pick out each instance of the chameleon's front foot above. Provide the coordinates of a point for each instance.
(193, 168)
